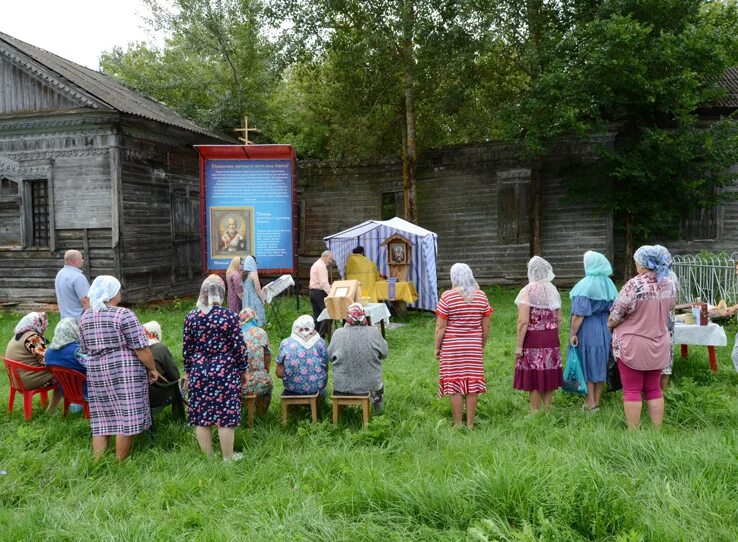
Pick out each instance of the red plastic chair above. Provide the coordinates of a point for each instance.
(71, 383)
(16, 385)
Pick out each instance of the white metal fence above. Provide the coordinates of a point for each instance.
(709, 279)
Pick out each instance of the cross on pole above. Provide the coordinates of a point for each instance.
(246, 130)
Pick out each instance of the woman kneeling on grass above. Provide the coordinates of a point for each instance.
(640, 340)
(356, 352)
(214, 356)
(538, 352)
(462, 329)
(119, 369)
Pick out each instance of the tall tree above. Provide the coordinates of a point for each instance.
(377, 52)
(216, 65)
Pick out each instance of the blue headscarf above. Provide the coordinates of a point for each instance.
(654, 258)
(596, 284)
(249, 264)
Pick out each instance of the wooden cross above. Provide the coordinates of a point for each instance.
(246, 130)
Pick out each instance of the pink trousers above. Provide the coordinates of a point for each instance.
(635, 382)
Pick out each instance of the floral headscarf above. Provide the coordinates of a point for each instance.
(33, 321)
(66, 332)
(212, 292)
(303, 331)
(355, 315)
(103, 289)
(539, 292)
(153, 328)
(463, 279)
(655, 258)
(247, 318)
(249, 264)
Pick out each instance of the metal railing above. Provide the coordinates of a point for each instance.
(707, 278)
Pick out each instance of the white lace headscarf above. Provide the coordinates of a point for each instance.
(539, 292)
(103, 289)
(463, 279)
(212, 292)
(303, 331)
(153, 328)
(66, 332)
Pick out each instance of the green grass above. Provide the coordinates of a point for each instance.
(410, 476)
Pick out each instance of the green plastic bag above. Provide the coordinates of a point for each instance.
(573, 375)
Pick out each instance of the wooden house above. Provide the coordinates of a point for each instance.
(89, 164)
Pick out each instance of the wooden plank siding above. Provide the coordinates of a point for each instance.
(21, 92)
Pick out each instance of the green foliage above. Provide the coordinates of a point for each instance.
(410, 476)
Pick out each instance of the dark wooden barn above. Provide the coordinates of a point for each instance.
(87, 163)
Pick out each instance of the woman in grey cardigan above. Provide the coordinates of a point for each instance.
(356, 351)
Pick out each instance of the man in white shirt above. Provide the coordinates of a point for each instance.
(320, 287)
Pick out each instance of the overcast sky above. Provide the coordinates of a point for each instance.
(78, 30)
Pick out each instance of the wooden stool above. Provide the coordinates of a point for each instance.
(351, 400)
(290, 400)
(250, 401)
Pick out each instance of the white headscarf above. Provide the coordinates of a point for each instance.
(539, 292)
(103, 289)
(65, 332)
(463, 279)
(303, 331)
(154, 328)
(212, 292)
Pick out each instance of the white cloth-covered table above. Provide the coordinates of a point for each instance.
(376, 312)
(709, 335)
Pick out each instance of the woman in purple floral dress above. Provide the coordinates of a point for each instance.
(214, 356)
(538, 352)
(302, 362)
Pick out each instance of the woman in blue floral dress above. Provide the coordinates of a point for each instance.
(214, 356)
(256, 379)
(303, 360)
(252, 296)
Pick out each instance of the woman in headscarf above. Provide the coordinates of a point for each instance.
(591, 300)
(462, 329)
(65, 351)
(119, 369)
(166, 367)
(356, 352)
(641, 343)
(28, 345)
(252, 296)
(538, 352)
(302, 363)
(234, 284)
(214, 356)
(256, 379)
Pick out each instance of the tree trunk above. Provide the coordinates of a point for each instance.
(410, 155)
(629, 268)
(536, 207)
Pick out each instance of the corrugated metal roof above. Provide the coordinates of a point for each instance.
(103, 88)
(729, 81)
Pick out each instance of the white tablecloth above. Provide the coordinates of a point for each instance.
(709, 335)
(374, 311)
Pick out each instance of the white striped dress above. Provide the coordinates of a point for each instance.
(462, 357)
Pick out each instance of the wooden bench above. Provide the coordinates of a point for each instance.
(351, 400)
(250, 401)
(291, 400)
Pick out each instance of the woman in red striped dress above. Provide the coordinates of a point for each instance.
(462, 329)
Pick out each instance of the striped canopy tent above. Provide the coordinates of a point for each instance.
(372, 233)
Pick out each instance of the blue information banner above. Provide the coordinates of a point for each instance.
(249, 210)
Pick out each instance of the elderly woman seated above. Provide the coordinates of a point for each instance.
(356, 352)
(256, 379)
(159, 393)
(65, 351)
(28, 346)
(302, 363)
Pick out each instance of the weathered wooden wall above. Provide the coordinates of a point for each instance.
(24, 93)
(160, 237)
(476, 198)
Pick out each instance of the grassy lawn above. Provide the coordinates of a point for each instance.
(410, 476)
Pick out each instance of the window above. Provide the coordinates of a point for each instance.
(39, 231)
(700, 224)
(8, 188)
(393, 204)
